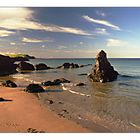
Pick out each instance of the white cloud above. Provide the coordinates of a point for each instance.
(101, 31)
(116, 43)
(102, 22)
(4, 33)
(43, 46)
(100, 13)
(12, 43)
(62, 47)
(33, 40)
(81, 43)
(22, 19)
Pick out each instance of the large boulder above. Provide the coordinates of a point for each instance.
(25, 66)
(41, 66)
(102, 70)
(7, 65)
(34, 88)
(9, 83)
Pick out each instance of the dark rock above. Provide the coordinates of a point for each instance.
(2, 99)
(61, 80)
(7, 65)
(69, 65)
(82, 74)
(60, 102)
(50, 101)
(25, 66)
(19, 59)
(102, 70)
(29, 56)
(9, 83)
(85, 65)
(55, 82)
(34, 88)
(80, 84)
(47, 83)
(41, 66)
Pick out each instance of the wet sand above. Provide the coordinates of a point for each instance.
(23, 112)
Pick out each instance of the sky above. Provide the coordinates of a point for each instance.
(70, 32)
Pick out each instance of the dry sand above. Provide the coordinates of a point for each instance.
(25, 111)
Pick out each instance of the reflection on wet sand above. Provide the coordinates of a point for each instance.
(120, 112)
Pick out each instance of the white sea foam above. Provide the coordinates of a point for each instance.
(74, 92)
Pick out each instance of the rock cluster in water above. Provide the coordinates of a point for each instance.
(72, 66)
(55, 82)
(102, 70)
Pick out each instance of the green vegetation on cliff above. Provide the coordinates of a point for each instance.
(20, 55)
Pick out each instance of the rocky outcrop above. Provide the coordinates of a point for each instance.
(34, 88)
(41, 66)
(69, 65)
(25, 66)
(102, 70)
(29, 56)
(15, 59)
(9, 83)
(7, 65)
(55, 82)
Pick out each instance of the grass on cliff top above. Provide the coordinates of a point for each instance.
(16, 55)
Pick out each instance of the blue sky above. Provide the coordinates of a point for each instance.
(70, 32)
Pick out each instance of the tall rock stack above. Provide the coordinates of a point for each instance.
(102, 70)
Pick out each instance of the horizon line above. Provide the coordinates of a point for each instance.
(87, 58)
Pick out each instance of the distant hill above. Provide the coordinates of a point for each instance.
(26, 56)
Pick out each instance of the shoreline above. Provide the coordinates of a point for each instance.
(24, 111)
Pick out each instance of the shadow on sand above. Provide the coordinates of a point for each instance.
(5, 100)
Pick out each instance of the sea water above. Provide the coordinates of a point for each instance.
(115, 105)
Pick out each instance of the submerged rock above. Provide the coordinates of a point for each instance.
(80, 84)
(41, 66)
(25, 66)
(61, 80)
(9, 83)
(102, 70)
(55, 82)
(85, 65)
(34, 88)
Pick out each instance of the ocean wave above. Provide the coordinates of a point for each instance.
(27, 79)
(129, 76)
(74, 92)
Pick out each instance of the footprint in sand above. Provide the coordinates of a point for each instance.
(32, 130)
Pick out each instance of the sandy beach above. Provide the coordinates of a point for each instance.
(23, 111)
